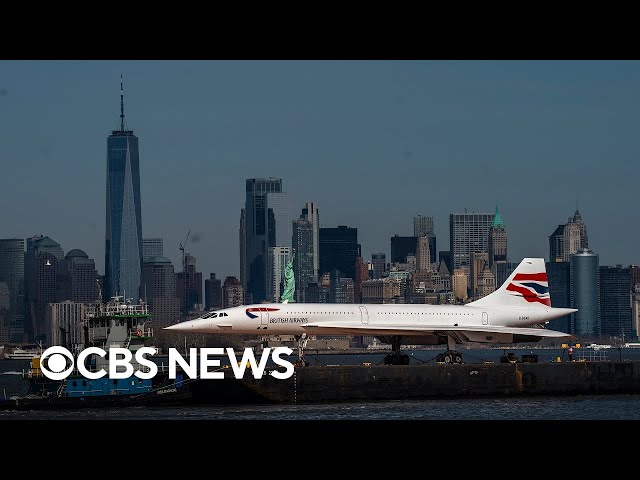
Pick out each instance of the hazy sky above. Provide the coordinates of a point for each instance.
(373, 143)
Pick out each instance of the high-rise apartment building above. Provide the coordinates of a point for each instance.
(123, 242)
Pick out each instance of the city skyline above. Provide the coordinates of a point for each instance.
(539, 141)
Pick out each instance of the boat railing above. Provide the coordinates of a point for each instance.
(592, 356)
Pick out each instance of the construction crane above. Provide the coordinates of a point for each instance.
(182, 247)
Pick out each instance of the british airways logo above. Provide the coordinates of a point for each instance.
(258, 309)
(533, 287)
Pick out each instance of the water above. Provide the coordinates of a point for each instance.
(611, 407)
(595, 407)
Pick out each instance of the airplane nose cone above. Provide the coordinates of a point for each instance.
(180, 327)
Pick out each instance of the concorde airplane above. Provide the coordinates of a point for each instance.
(516, 312)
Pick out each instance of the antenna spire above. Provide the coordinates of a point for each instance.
(121, 105)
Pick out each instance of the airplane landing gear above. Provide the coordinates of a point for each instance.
(396, 357)
(449, 357)
(302, 343)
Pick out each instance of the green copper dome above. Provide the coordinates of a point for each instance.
(497, 219)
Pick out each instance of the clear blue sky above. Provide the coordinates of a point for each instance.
(373, 143)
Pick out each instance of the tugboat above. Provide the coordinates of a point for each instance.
(118, 323)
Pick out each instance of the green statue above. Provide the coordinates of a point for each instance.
(289, 283)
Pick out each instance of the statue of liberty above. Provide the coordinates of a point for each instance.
(289, 283)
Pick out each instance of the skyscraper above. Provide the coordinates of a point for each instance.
(281, 212)
(159, 290)
(486, 282)
(558, 275)
(478, 262)
(401, 247)
(497, 240)
(232, 293)
(422, 226)
(42, 260)
(259, 235)
(423, 255)
(341, 289)
(459, 283)
(5, 323)
(243, 248)
(310, 212)
(277, 258)
(635, 310)
(123, 242)
(568, 239)
(469, 233)
(615, 307)
(634, 273)
(379, 261)
(582, 227)
(338, 250)
(304, 256)
(585, 294)
(152, 247)
(66, 322)
(12, 273)
(77, 278)
(212, 293)
(362, 275)
(189, 286)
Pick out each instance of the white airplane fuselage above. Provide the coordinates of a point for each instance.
(515, 312)
(365, 319)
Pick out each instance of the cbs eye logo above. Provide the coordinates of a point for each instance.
(54, 361)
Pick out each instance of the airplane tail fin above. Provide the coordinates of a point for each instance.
(527, 286)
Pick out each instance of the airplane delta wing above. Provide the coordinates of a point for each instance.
(397, 328)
